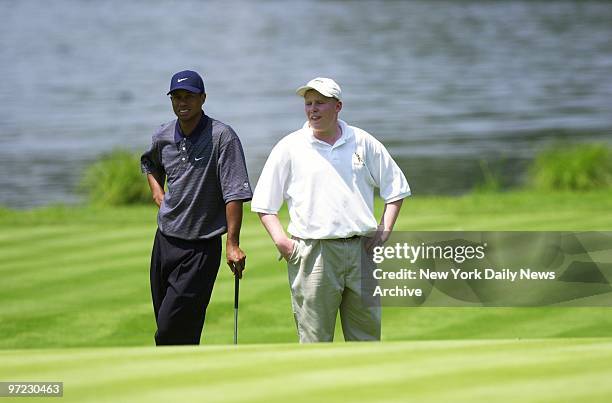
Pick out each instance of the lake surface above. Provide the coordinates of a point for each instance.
(444, 84)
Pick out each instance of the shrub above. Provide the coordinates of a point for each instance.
(491, 180)
(115, 179)
(579, 167)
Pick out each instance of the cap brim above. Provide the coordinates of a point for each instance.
(185, 87)
(302, 91)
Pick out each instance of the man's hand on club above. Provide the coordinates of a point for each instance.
(236, 259)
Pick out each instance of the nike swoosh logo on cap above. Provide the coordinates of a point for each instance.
(197, 159)
(182, 79)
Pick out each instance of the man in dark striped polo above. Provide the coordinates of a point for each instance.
(202, 162)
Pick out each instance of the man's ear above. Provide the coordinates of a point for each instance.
(203, 98)
(338, 106)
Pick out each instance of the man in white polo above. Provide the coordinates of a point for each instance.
(327, 172)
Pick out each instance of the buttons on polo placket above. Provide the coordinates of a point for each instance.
(183, 150)
(334, 156)
(336, 150)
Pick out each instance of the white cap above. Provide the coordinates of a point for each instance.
(325, 86)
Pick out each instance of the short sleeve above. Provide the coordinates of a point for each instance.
(387, 174)
(150, 160)
(233, 175)
(272, 184)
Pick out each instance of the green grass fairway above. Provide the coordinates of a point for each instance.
(75, 307)
(553, 370)
(78, 276)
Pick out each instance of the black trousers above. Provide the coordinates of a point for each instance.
(183, 274)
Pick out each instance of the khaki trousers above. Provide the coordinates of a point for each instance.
(325, 276)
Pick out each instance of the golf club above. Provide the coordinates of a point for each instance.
(236, 291)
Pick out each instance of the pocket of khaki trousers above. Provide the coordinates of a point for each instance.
(295, 253)
(292, 256)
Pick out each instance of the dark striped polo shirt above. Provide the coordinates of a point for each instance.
(204, 171)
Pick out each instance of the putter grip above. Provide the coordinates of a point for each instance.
(236, 289)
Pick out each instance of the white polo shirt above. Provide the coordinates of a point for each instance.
(329, 189)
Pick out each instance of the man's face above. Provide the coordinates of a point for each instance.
(187, 105)
(321, 111)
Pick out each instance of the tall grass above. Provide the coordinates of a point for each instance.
(115, 179)
(491, 180)
(573, 168)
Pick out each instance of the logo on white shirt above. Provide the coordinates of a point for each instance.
(359, 159)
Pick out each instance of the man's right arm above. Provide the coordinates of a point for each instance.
(268, 197)
(150, 164)
(157, 189)
(274, 227)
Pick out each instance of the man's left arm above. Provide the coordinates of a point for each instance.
(236, 259)
(387, 221)
(234, 181)
(393, 189)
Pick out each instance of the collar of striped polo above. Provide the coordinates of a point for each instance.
(197, 132)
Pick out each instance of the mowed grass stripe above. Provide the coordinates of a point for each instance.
(533, 370)
(57, 267)
(69, 268)
(552, 221)
(106, 287)
(14, 236)
(466, 323)
(124, 279)
(77, 260)
(253, 289)
(24, 362)
(79, 240)
(113, 273)
(75, 328)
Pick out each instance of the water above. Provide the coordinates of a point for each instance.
(444, 84)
